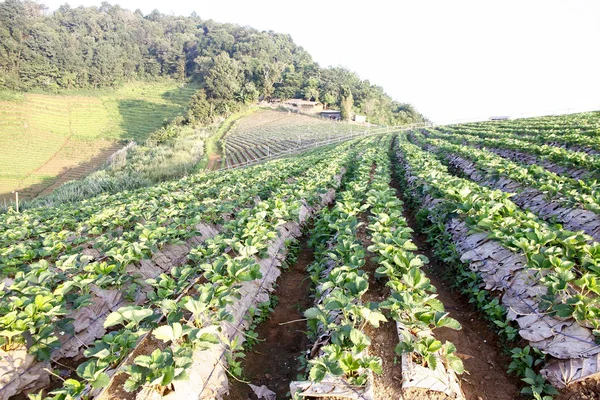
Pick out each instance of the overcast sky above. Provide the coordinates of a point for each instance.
(453, 60)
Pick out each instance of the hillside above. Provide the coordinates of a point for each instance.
(89, 47)
(96, 59)
(49, 139)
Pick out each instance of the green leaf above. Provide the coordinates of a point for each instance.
(132, 314)
(357, 337)
(333, 305)
(317, 373)
(101, 381)
(169, 332)
(313, 313)
(455, 363)
(372, 317)
(357, 286)
(431, 361)
(563, 310)
(441, 319)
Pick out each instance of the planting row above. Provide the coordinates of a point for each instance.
(574, 203)
(34, 304)
(339, 356)
(545, 276)
(339, 361)
(427, 363)
(75, 283)
(571, 159)
(576, 131)
(272, 132)
(129, 225)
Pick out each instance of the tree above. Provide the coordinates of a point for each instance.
(346, 104)
(248, 93)
(310, 89)
(200, 109)
(223, 80)
(105, 46)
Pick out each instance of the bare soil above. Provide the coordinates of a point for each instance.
(586, 390)
(274, 361)
(477, 344)
(214, 162)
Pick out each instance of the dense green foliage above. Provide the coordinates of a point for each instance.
(106, 46)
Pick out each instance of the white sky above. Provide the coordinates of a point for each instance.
(453, 60)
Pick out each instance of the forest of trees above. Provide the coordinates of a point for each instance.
(90, 47)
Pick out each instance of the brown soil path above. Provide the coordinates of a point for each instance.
(486, 377)
(214, 162)
(274, 361)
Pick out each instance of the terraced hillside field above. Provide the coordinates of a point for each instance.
(417, 265)
(48, 138)
(268, 132)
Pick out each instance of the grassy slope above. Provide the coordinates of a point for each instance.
(191, 151)
(44, 135)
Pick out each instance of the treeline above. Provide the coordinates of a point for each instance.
(89, 47)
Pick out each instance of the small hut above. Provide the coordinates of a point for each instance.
(331, 114)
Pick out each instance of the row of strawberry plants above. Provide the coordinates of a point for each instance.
(65, 285)
(577, 192)
(34, 305)
(574, 203)
(147, 223)
(432, 220)
(231, 265)
(568, 259)
(132, 211)
(556, 277)
(412, 302)
(563, 135)
(339, 354)
(290, 208)
(572, 159)
(581, 121)
(96, 214)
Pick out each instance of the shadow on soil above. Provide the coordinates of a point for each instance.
(274, 361)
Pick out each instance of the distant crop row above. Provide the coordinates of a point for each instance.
(270, 132)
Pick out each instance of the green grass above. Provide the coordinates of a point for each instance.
(36, 128)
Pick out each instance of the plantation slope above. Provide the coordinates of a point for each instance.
(269, 132)
(48, 139)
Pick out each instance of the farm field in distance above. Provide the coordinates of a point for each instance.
(45, 138)
(269, 132)
(443, 262)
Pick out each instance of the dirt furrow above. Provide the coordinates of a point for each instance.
(477, 343)
(275, 360)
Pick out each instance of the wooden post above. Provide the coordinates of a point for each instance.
(17, 199)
